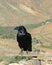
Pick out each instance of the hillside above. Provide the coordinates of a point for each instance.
(17, 12)
(30, 13)
(35, 15)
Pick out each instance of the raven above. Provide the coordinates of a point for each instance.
(24, 39)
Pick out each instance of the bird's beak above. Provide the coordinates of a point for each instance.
(16, 28)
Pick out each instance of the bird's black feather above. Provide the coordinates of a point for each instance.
(24, 39)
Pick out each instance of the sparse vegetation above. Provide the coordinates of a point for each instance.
(46, 46)
(15, 59)
(7, 32)
(37, 50)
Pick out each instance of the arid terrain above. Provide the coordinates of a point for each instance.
(36, 16)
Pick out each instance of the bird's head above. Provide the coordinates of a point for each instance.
(21, 29)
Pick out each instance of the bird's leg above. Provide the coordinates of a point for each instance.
(27, 51)
(21, 51)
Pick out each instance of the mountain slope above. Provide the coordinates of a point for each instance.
(17, 12)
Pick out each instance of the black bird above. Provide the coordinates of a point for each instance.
(24, 39)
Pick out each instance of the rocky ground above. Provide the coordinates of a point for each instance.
(29, 62)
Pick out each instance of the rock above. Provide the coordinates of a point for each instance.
(14, 64)
(23, 62)
(2, 63)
